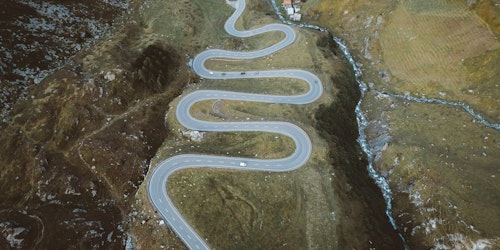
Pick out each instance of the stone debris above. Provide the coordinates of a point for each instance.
(110, 76)
(193, 135)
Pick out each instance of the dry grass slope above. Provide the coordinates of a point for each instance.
(426, 55)
(441, 163)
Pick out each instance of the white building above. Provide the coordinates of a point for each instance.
(292, 9)
(296, 7)
(287, 4)
(289, 9)
(296, 17)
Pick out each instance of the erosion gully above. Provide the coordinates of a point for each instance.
(381, 182)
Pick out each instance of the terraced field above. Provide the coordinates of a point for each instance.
(426, 45)
(440, 161)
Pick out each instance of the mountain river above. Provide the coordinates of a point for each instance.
(381, 182)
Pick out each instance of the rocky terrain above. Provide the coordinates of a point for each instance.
(86, 88)
(39, 36)
(432, 72)
(83, 121)
(77, 143)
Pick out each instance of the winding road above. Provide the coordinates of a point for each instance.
(157, 185)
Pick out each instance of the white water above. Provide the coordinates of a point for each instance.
(464, 106)
(381, 182)
(361, 119)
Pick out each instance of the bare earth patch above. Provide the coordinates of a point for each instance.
(441, 162)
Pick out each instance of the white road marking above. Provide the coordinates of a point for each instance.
(157, 183)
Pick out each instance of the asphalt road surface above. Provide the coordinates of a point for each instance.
(157, 186)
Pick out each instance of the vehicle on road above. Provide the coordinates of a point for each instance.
(157, 186)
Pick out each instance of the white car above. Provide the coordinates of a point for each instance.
(243, 164)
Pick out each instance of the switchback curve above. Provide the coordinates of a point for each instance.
(157, 185)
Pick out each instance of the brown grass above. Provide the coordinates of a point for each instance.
(423, 52)
(233, 208)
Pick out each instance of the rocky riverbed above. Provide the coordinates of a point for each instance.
(432, 108)
(86, 88)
